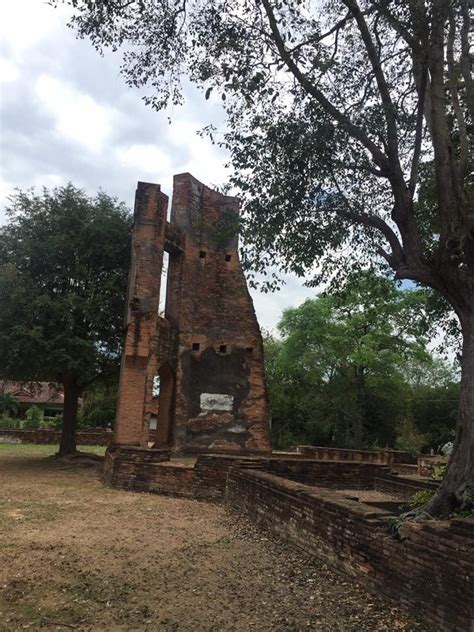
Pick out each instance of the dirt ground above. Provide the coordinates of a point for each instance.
(77, 555)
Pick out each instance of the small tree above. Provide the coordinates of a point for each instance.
(8, 404)
(64, 260)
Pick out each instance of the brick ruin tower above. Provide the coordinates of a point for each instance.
(206, 348)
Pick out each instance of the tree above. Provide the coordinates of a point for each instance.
(99, 404)
(8, 403)
(338, 376)
(64, 261)
(333, 109)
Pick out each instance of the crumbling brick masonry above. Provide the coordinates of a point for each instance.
(206, 348)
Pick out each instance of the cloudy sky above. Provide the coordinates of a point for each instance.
(67, 115)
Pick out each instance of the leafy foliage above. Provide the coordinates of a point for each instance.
(8, 403)
(34, 417)
(348, 367)
(64, 261)
(325, 104)
(63, 272)
(419, 499)
(99, 405)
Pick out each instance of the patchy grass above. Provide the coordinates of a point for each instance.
(32, 450)
(77, 555)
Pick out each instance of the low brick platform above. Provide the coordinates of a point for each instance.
(148, 470)
(127, 466)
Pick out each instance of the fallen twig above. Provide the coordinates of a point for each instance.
(62, 625)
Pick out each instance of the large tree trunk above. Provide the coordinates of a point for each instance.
(71, 401)
(456, 491)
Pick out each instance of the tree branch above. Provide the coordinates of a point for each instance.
(463, 142)
(443, 151)
(374, 221)
(465, 55)
(320, 38)
(419, 129)
(389, 110)
(353, 130)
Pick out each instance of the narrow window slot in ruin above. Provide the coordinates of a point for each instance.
(223, 349)
(249, 350)
(164, 285)
(202, 254)
(196, 346)
(228, 257)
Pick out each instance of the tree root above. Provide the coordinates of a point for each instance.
(79, 458)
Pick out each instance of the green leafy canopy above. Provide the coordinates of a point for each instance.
(64, 261)
(352, 369)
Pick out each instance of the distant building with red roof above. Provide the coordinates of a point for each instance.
(49, 396)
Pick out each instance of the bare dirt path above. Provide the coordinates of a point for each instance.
(77, 555)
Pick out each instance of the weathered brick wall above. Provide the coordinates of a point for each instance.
(336, 474)
(52, 437)
(142, 470)
(382, 457)
(401, 485)
(430, 571)
(220, 345)
(132, 467)
(139, 356)
(151, 472)
(207, 350)
(343, 454)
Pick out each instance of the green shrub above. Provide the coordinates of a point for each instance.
(10, 424)
(438, 471)
(409, 439)
(418, 499)
(34, 417)
(98, 410)
(52, 423)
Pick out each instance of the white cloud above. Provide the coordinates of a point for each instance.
(24, 23)
(269, 306)
(48, 180)
(77, 116)
(9, 71)
(144, 159)
(204, 160)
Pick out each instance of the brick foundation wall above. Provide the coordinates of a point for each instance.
(335, 474)
(382, 457)
(143, 470)
(150, 471)
(52, 437)
(430, 571)
(401, 486)
(343, 454)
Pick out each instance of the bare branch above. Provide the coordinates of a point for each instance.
(389, 110)
(353, 130)
(373, 221)
(320, 38)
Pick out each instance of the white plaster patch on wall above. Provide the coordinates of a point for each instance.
(216, 401)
